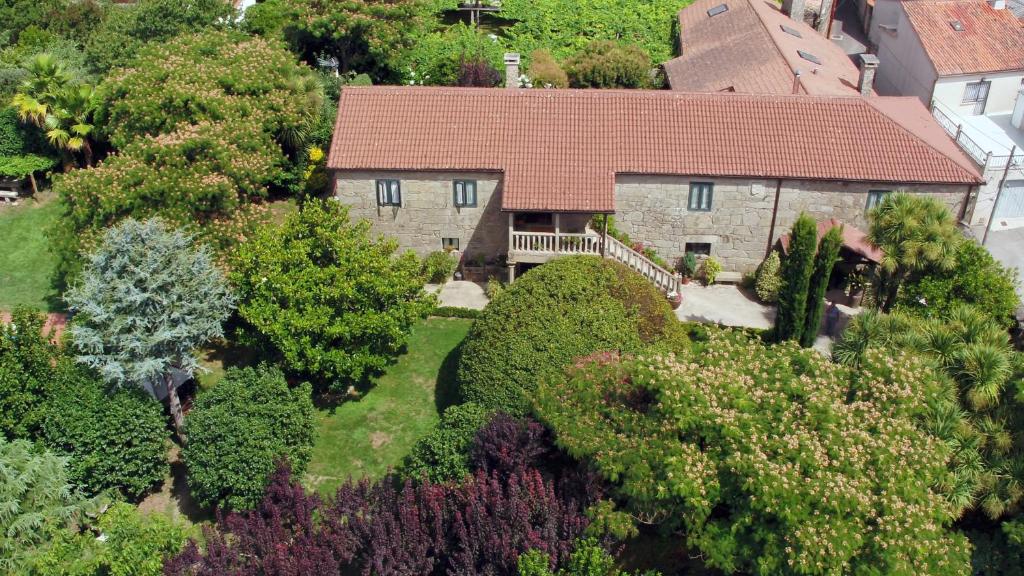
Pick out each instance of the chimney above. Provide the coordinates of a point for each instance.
(868, 66)
(511, 70)
(796, 81)
(997, 4)
(794, 9)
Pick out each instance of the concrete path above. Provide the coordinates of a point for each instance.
(724, 304)
(460, 294)
(1007, 246)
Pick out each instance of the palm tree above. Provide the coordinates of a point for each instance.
(915, 233)
(62, 108)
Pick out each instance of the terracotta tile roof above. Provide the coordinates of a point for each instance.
(854, 240)
(561, 149)
(991, 40)
(745, 49)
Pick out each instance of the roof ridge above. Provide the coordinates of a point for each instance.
(910, 132)
(764, 26)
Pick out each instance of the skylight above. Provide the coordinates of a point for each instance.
(791, 31)
(957, 25)
(716, 10)
(809, 57)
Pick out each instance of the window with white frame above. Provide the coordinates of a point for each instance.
(464, 193)
(449, 244)
(389, 193)
(976, 93)
(700, 196)
(875, 197)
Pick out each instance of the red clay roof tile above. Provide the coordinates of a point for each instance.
(560, 150)
(991, 41)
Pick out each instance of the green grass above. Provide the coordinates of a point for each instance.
(26, 263)
(366, 437)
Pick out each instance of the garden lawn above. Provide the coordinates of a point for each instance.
(366, 437)
(26, 263)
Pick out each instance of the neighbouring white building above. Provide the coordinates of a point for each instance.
(965, 59)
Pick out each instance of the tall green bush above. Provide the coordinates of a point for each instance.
(796, 271)
(607, 64)
(27, 361)
(767, 280)
(443, 454)
(240, 429)
(553, 314)
(828, 254)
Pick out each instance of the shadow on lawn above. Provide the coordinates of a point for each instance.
(446, 393)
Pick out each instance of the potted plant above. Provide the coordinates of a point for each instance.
(687, 267)
(856, 283)
(675, 299)
(710, 270)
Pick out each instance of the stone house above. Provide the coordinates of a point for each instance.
(515, 176)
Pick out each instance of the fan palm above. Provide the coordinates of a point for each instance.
(915, 233)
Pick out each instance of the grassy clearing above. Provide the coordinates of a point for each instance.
(365, 437)
(26, 263)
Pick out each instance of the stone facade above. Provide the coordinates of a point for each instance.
(427, 213)
(653, 210)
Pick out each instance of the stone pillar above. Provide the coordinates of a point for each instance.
(825, 18)
(868, 66)
(794, 9)
(512, 69)
(511, 272)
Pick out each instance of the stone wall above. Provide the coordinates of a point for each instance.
(427, 214)
(653, 210)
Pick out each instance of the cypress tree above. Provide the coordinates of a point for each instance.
(828, 253)
(796, 276)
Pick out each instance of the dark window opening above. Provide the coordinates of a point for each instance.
(699, 248)
(389, 193)
(716, 10)
(875, 197)
(464, 193)
(449, 243)
(701, 194)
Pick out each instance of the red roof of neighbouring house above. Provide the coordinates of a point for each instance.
(746, 49)
(991, 40)
(854, 240)
(560, 150)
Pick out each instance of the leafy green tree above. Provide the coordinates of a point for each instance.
(436, 58)
(114, 440)
(128, 28)
(607, 64)
(364, 35)
(321, 294)
(976, 279)
(17, 15)
(268, 18)
(769, 459)
(986, 426)
(828, 254)
(552, 315)
(37, 501)
(148, 298)
(588, 558)
(26, 360)
(443, 454)
(240, 429)
(916, 233)
(62, 108)
(797, 267)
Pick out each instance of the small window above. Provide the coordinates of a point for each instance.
(809, 57)
(716, 10)
(791, 31)
(700, 196)
(875, 197)
(389, 193)
(957, 25)
(464, 193)
(449, 244)
(699, 248)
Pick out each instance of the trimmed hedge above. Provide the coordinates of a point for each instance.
(443, 454)
(455, 312)
(556, 313)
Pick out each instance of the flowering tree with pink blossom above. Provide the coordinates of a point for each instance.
(770, 460)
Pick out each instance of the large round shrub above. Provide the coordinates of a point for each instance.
(556, 313)
(238, 430)
(113, 439)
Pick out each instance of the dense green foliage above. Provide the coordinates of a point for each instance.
(553, 314)
(796, 270)
(564, 27)
(114, 440)
(127, 28)
(239, 430)
(767, 280)
(438, 267)
(607, 64)
(588, 558)
(26, 373)
(443, 454)
(769, 460)
(987, 428)
(268, 18)
(436, 58)
(916, 233)
(828, 254)
(709, 270)
(334, 304)
(147, 300)
(976, 279)
(545, 72)
(37, 501)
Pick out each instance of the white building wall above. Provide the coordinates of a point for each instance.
(1002, 94)
(903, 65)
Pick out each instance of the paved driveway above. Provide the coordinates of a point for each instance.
(1007, 246)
